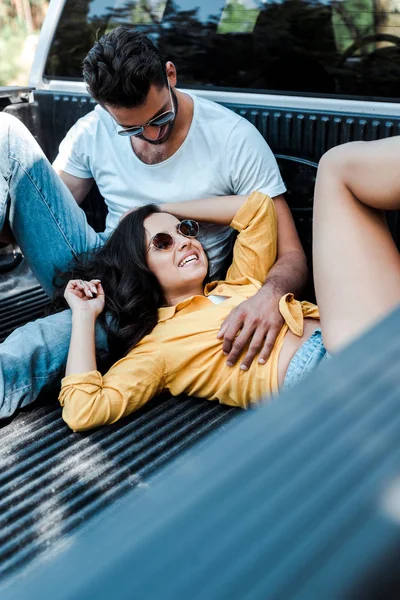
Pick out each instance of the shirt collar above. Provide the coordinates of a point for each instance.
(167, 312)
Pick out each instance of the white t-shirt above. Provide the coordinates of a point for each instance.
(223, 154)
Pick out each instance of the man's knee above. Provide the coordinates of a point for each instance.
(10, 122)
(13, 130)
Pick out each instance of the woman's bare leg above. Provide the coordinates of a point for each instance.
(356, 263)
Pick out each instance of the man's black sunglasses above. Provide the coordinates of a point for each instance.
(160, 121)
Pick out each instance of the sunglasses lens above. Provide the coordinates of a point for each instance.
(163, 119)
(189, 228)
(133, 131)
(163, 241)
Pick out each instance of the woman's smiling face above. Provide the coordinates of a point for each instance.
(182, 269)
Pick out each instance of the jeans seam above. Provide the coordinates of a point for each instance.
(25, 387)
(8, 175)
(17, 391)
(311, 356)
(75, 255)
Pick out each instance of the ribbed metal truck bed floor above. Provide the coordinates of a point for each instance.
(299, 500)
(52, 480)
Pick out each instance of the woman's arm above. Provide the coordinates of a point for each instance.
(86, 300)
(91, 399)
(290, 270)
(88, 398)
(219, 210)
(82, 349)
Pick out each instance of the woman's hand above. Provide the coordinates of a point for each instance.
(85, 296)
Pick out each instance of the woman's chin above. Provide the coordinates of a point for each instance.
(194, 274)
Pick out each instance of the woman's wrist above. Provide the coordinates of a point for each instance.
(82, 350)
(83, 315)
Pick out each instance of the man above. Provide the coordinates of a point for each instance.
(144, 142)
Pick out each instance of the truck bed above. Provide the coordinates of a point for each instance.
(53, 481)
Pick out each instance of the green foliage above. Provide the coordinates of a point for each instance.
(146, 12)
(238, 18)
(11, 43)
(353, 20)
(13, 33)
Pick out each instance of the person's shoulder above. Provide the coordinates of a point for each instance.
(222, 120)
(94, 123)
(209, 111)
(212, 107)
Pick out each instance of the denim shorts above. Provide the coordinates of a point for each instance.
(307, 358)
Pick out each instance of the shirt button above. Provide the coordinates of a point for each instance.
(220, 289)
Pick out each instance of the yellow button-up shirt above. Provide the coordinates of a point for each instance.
(182, 354)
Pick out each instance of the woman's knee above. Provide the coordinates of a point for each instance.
(336, 162)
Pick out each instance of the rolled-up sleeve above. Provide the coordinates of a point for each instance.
(90, 399)
(255, 249)
(73, 153)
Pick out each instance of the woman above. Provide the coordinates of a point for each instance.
(173, 323)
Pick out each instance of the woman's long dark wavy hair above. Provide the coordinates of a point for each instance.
(133, 293)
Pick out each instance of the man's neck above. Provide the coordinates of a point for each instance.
(152, 154)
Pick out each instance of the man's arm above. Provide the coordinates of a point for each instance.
(78, 186)
(218, 209)
(73, 161)
(251, 165)
(258, 319)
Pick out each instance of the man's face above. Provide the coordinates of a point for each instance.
(158, 101)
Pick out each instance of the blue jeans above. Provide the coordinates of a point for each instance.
(50, 229)
(307, 358)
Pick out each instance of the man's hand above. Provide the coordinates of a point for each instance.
(259, 321)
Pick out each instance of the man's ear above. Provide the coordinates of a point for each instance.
(171, 73)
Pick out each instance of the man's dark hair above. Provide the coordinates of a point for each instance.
(121, 67)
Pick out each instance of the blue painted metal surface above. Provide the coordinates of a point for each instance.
(53, 482)
(299, 499)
